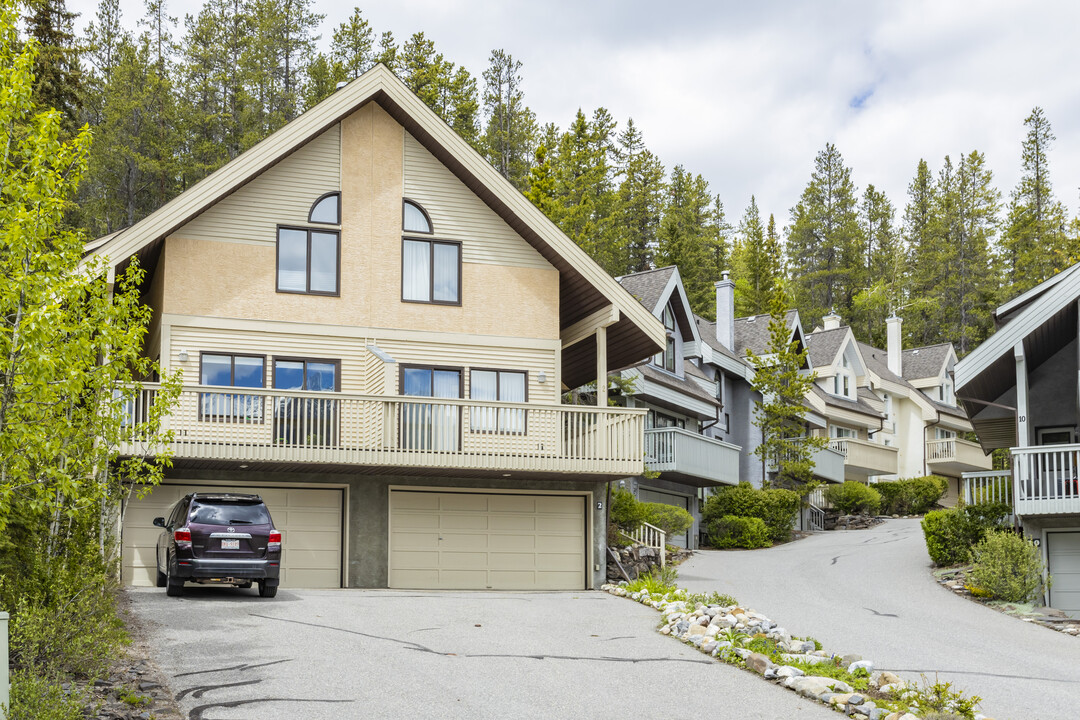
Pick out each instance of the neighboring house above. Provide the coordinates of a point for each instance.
(891, 412)
(1020, 389)
(375, 329)
(688, 428)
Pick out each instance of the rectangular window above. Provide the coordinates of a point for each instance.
(500, 386)
(306, 421)
(660, 420)
(426, 426)
(245, 371)
(431, 271)
(307, 261)
(842, 432)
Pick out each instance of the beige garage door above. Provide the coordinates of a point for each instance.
(309, 520)
(480, 541)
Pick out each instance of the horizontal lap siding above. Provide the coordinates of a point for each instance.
(458, 214)
(281, 195)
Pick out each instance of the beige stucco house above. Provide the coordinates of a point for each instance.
(375, 330)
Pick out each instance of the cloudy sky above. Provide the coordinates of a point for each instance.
(746, 93)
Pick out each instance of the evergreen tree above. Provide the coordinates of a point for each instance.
(639, 202)
(824, 239)
(880, 282)
(511, 126)
(353, 46)
(719, 241)
(541, 190)
(57, 73)
(682, 237)
(757, 264)
(1035, 242)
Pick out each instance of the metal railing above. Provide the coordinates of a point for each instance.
(255, 424)
(649, 536)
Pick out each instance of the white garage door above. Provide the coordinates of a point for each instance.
(659, 496)
(1063, 554)
(309, 520)
(480, 541)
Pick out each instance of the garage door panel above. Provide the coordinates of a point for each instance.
(309, 520)
(498, 541)
(464, 522)
(1063, 554)
(412, 520)
(512, 522)
(512, 504)
(415, 541)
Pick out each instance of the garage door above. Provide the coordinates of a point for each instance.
(1063, 555)
(659, 496)
(479, 541)
(309, 520)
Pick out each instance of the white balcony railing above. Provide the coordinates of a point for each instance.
(992, 486)
(257, 425)
(1046, 479)
(678, 451)
(956, 455)
(828, 463)
(864, 459)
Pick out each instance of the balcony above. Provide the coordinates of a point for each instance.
(955, 456)
(864, 459)
(1045, 479)
(376, 433)
(690, 458)
(828, 464)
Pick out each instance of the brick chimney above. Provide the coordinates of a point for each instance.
(725, 311)
(895, 346)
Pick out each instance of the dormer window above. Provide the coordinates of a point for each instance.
(945, 393)
(326, 210)
(844, 379)
(666, 359)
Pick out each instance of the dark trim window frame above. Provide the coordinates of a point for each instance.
(306, 421)
(504, 421)
(432, 245)
(306, 361)
(315, 205)
(424, 426)
(307, 257)
(423, 211)
(232, 400)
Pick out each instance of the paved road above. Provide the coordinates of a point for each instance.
(871, 592)
(322, 654)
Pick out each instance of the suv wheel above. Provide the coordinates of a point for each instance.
(266, 590)
(174, 586)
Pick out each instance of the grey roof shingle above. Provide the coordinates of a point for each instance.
(647, 286)
(924, 362)
(707, 331)
(859, 406)
(877, 361)
(824, 344)
(752, 333)
(683, 385)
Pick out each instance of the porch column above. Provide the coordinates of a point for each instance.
(1022, 439)
(601, 367)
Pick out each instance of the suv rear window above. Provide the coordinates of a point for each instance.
(227, 513)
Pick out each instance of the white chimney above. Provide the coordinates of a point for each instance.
(895, 345)
(831, 321)
(725, 311)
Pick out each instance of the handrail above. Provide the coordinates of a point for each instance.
(696, 436)
(649, 536)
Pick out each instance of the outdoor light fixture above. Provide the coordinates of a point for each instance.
(182, 355)
(541, 377)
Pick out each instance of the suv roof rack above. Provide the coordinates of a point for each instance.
(226, 496)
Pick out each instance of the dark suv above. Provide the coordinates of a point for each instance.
(219, 538)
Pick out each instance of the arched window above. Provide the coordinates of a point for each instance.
(415, 218)
(326, 210)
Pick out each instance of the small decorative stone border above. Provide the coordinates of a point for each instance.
(955, 580)
(703, 625)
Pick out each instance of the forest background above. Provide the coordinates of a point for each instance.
(169, 102)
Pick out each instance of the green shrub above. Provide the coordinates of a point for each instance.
(951, 534)
(35, 698)
(672, 520)
(659, 581)
(1008, 567)
(852, 498)
(732, 531)
(913, 496)
(777, 508)
(627, 513)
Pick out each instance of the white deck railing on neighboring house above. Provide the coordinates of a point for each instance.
(864, 458)
(649, 536)
(1046, 479)
(993, 486)
(277, 426)
(675, 450)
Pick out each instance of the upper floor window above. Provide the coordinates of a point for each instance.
(838, 431)
(431, 271)
(307, 261)
(301, 374)
(243, 371)
(501, 386)
(945, 393)
(415, 218)
(666, 359)
(659, 420)
(326, 210)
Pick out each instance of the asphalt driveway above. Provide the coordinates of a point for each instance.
(314, 654)
(871, 592)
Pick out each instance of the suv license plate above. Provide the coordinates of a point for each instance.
(230, 544)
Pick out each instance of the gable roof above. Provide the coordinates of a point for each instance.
(648, 286)
(859, 405)
(584, 287)
(925, 362)
(752, 332)
(823, 345)
(877, 362)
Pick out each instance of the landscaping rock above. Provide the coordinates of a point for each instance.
(867, 665)
(786, 671)
(850, 658)
(758, 663)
